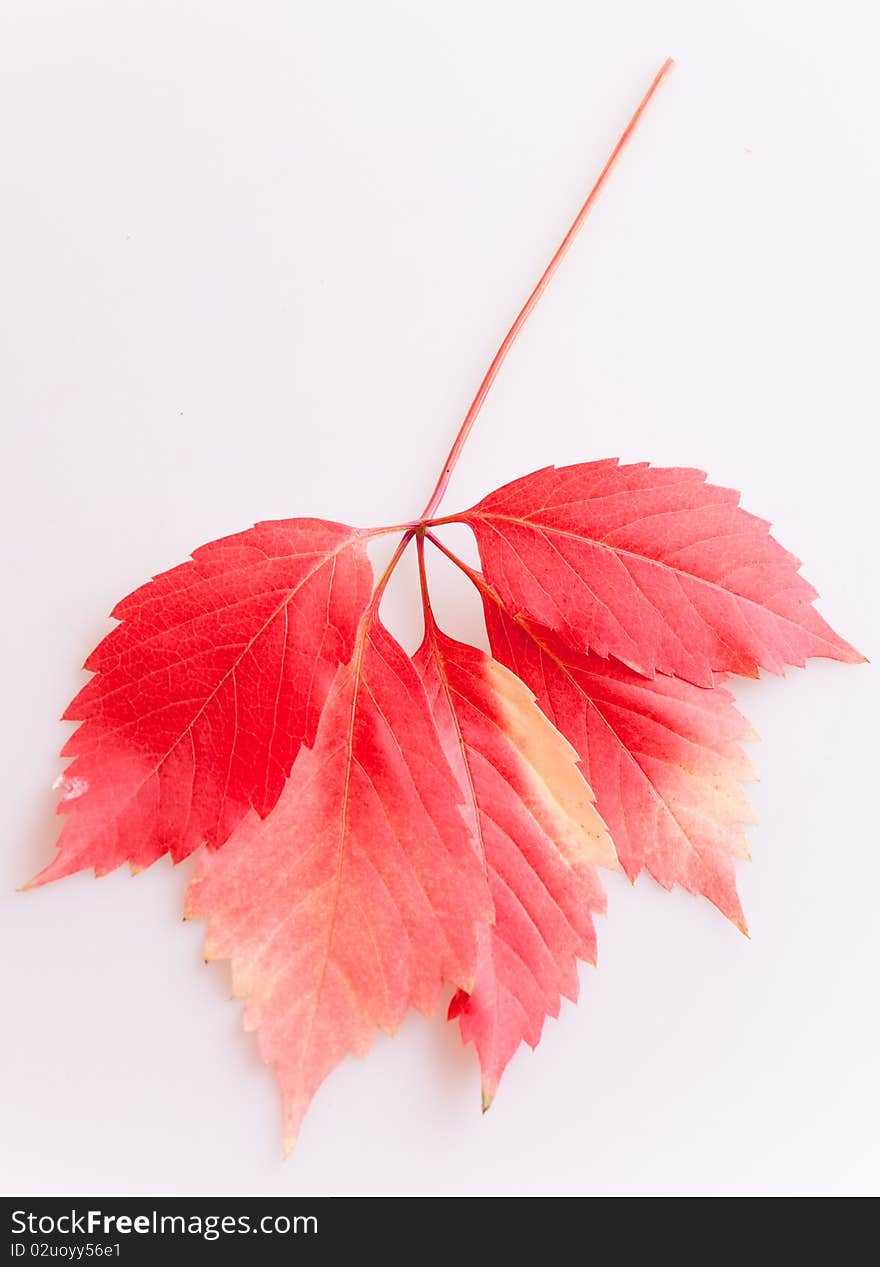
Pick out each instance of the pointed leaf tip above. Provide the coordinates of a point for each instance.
(252, 627)
(538, 835)
(653, 566)
(360, 893)
(662, 756)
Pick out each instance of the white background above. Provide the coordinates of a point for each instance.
(254, 259)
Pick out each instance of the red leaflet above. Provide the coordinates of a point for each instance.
(653, 566)
(538, 836)
(662, 756)
(360, 893)
(380, 825)
(204, 692)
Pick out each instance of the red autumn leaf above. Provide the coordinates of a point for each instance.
(379, 838)
(538, 836)
(652, 566)
(360, 893)
(204, 692)
(663, 758)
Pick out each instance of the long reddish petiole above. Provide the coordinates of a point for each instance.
(423, 582)
(491, 374)
(474, 577)
(382, 583)
(525, 311)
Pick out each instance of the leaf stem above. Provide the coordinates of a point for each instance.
(544, 280)
(423, 583)
(474, 577)
(416, 528)
(386, 575)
